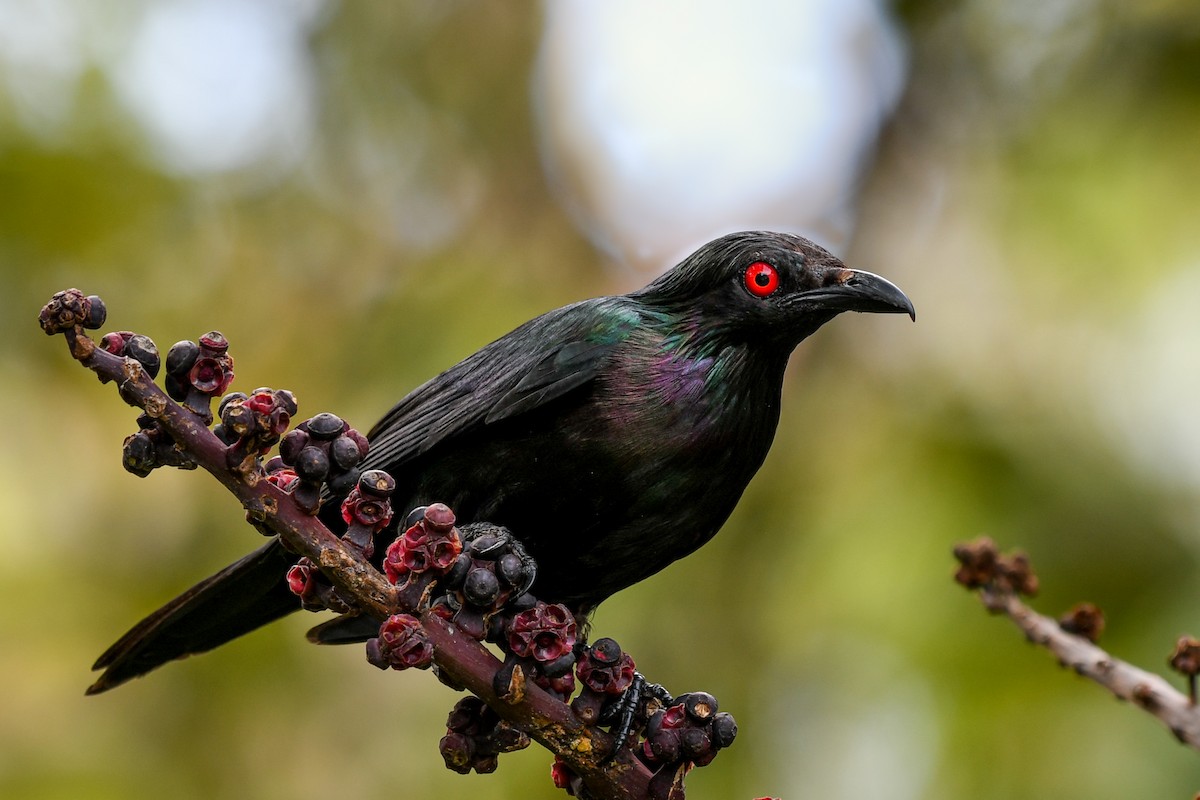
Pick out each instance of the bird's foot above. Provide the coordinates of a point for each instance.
(642, 698)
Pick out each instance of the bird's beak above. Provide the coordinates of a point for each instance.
(855, 290)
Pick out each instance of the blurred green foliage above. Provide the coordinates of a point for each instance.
(1036, 196)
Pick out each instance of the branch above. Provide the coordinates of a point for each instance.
(1000, 579)
(460, 659)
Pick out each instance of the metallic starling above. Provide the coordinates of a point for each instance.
(611, 436)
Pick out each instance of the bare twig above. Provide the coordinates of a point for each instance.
(984, 569)
(1148, 691)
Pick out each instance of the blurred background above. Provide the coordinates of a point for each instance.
(358, 195)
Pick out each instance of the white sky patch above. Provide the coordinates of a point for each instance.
(667, 122)
(220, 85)
(1147, 381)
(41, 59)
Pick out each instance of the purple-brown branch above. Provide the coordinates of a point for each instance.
(460, 659)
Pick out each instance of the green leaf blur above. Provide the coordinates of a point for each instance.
(1039, 206)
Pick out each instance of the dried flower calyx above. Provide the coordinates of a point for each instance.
(315, 591)
(367, 510)
(402, 644)
(69, 309)
(982, 565)
(1084, 619)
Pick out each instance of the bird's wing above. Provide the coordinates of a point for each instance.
(544, 359)
(562, 369)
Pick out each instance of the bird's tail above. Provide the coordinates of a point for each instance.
(245, 595)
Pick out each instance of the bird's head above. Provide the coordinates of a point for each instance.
(773, 287)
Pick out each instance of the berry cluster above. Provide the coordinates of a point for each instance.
(605, 672)
(198, 372)
(492, 573)
(690, 731)
(151, 447)
(428, 548)
(70, 309)
(540, 644)
(475, 736)
(367, 510)
(684, 735)
(322, 450)
(252, 425)
(141, 349)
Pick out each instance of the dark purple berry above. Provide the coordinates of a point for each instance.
(176, 389)
(458, 572)
(724, 729)
(486, 546)
(137, 455)
(693, 743)
(605, 651)
(458, 751)
(232, 397)
(481, 588)
(143, 350)
(344, 454)
(96, 312)
(414, 516)
(312, 465)
(559, 666)
(376, 483)
(342, 482)
(522, 602)
(665, 746)
(325, 426)
(291, 445)
(511, 569)
(181, 357)
(700, 706)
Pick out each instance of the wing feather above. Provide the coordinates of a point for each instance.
(544, 359)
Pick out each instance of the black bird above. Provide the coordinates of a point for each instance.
(612, 436)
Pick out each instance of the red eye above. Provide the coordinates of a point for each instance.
(761, 279)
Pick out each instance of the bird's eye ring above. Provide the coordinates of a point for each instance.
(761, 279)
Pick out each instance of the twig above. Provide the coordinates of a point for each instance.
(984, 569)
(1148, 691)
